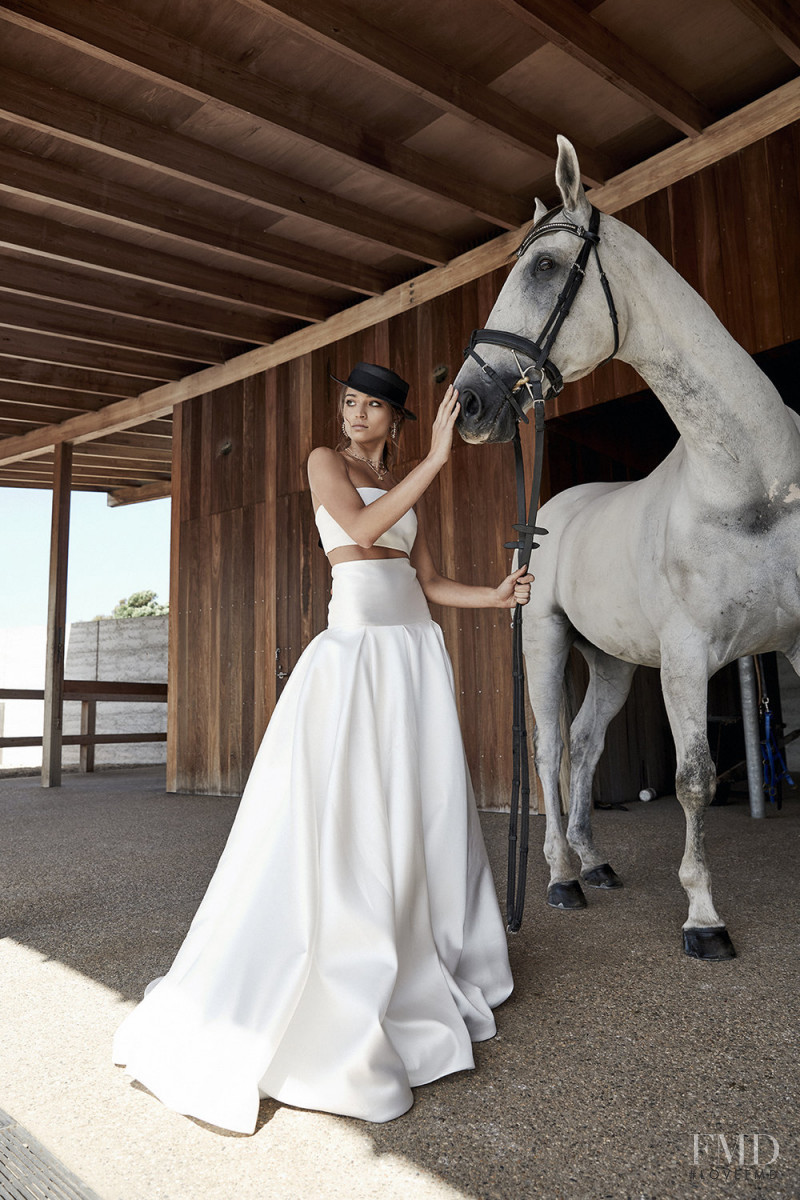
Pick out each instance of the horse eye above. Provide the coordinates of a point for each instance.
(545, 264)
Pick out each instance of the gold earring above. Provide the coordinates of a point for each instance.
(393, 433)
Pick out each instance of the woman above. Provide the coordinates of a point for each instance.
(349, 946)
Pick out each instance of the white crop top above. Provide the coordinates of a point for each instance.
(399, 537)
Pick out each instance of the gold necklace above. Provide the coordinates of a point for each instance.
(379, 468)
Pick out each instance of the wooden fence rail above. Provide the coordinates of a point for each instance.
(89, 692)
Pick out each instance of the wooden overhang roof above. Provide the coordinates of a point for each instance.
(194, 191)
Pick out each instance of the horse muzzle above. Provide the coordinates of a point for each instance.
(483, 418)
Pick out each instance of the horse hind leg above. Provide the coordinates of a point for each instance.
(609, 684)
(547, 641)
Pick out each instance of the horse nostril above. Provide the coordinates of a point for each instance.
(471, 406)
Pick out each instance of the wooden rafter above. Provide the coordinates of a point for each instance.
(136, 495)
(779, 19)
(146, 337)
(53, 239)
(35, 104)
(97, 292)
(725, 137)
(329, 24)
(62, 402)
(43, 347)
(101, 383)
(122, 206)
(122, 39)
(46, 485)
(567, 26)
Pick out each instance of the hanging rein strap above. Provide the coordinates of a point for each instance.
(520, 782)
(531, 379)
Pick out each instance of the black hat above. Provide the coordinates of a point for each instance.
(379, 382)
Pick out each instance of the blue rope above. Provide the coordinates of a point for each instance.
(775, 769)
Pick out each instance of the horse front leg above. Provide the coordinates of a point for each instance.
(609, 684)
(546, 641)
(684, 683)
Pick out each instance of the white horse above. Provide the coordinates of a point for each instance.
(686, 570)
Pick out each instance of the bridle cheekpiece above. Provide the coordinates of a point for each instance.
(542, 367)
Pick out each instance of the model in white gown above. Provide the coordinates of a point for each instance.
(350, 944)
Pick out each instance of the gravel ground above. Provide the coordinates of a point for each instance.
(616, 1056)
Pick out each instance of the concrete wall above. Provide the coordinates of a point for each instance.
(132, 649)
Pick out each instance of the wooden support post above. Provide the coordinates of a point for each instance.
(56, 618)
(88, 725)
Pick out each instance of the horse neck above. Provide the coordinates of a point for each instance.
(727, 411)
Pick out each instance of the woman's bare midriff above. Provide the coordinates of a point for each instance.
(344, 554)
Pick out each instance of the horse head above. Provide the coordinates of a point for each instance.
(557, 279)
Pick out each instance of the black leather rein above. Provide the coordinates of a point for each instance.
(531, 380)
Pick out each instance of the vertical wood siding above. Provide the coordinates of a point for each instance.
(248, 576)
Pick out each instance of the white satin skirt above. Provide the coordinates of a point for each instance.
(349, 946)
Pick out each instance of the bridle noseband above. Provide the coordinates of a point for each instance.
(531, 379)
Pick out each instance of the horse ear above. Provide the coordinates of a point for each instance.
(539, 211)
(568, 178)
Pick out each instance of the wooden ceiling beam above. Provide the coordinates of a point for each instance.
(91, 469)
(35, 414)
(52, 398)
(567, 26)
(99, 383)
(68, 352)
(35, 104)
(779, 19)
(60, 403)
(137, 495)
(31, 415)
(144, 440)
(96, 292)
(24, 174)
(122, 445)
(106, 329)
(328, 24)
(129, 455)
(10, 429)
(10, 481)
(64, 243)
(122, 39)
(731, 134)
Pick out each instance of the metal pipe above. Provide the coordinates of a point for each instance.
(752, 735)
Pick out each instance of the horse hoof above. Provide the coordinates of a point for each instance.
(711, 943)
(566, 895)
(603, 876)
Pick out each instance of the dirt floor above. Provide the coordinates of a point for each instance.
(621, 1068)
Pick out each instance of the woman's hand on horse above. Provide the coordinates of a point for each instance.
(515, 589)
(443, 426)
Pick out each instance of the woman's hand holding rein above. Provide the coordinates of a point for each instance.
(515, 589)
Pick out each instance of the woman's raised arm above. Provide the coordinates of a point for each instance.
(331, 486)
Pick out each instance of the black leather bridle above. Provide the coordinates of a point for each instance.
(531, 379)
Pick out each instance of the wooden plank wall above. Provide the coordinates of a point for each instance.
(250, 584)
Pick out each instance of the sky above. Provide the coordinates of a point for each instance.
(112, 552)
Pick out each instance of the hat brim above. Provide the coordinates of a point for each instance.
(400, 408)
